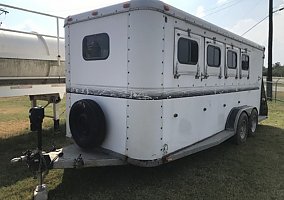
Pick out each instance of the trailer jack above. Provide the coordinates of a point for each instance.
(38, 161)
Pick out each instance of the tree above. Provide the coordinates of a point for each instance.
(277, 70)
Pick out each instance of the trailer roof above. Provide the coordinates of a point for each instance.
(160, 7)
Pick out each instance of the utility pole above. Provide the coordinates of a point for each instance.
(270, 40)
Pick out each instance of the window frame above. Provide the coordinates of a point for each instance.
(234, 61)
(246, 69)
(95, 58)
(215, 48)
(189, 48)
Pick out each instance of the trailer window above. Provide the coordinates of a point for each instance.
(213, 56)
(232, 59)
(245, 62)
(187, 51)
(96, 47)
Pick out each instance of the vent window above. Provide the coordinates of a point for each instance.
(187, 51)
(245, 62)
(231, 59)
(213, 56)
(96, 47)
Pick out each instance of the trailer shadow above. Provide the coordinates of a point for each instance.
(14, 146)
(226, 167)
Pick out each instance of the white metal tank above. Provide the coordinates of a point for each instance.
(30, 58)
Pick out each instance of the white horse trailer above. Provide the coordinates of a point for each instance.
(148, 84)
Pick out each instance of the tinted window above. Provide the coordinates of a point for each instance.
(232, 59)
(213, 56)
(96, 47)
(187, 51)
(245, 62)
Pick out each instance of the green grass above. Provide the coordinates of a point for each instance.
(254, 170)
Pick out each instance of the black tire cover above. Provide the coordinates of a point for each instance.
(87, 123)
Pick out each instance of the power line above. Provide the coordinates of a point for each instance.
(219, 6)
(261, 21)
(223, 8)
(253, 9)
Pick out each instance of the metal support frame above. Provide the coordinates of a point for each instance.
(55, 106)
(50, 98)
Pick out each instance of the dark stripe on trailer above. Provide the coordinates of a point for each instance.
(156, 95)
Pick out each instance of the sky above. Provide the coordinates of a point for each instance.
(236, 16)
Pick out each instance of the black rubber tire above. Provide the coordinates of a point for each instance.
(87, 123)
(253, 122)
(242, 129)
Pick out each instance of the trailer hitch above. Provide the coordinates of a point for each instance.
(38, 161)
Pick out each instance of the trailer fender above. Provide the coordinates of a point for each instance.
(234, 115)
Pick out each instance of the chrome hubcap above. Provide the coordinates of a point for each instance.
(253, 124)
(243, 129)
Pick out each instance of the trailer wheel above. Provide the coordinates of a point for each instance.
(242, 129)
(253, 121)
(87, 123)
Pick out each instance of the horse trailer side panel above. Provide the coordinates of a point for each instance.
(190, 120)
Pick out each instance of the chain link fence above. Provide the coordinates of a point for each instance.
(277, 88)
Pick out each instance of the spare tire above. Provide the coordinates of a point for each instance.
(87, 123)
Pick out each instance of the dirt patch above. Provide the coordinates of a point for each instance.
(12, 128)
